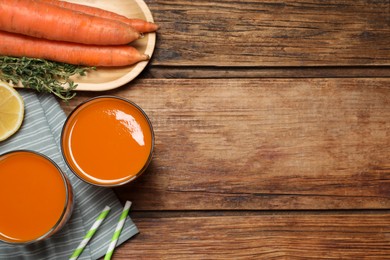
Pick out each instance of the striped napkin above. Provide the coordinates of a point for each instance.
(41, 132)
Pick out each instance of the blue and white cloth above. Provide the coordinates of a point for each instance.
(41, 131)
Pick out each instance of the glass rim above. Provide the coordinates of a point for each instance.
(147, 162)
(68, 193)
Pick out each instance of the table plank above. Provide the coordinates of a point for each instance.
(263, 143)
(295, 236)
(272, 33)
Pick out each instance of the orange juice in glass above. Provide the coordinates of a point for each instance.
(107, 141)
(36, 198)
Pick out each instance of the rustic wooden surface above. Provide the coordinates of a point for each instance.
(272, 33)
(296, 236)
(272, 132)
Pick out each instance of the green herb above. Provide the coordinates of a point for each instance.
(41, 75)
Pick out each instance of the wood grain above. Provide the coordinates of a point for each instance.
(272, 33)
(180, 72)
(294, 236)
(263, 144)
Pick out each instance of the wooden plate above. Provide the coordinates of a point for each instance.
(110, 78)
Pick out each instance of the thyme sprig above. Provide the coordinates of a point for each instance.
(42, 75)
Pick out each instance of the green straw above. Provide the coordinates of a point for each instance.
(118, 230)
(90, 233)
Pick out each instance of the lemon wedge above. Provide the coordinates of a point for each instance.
(11, 111)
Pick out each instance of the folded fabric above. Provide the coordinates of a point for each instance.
(41, 132)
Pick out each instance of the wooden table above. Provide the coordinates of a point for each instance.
(272, 131)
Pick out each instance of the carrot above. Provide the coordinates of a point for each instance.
(41, 20)
(73, 53)
(138, 24)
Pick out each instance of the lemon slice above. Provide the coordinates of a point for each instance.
(11, 111)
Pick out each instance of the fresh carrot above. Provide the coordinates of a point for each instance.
(17, 45)
(138, 24)
(41, 20)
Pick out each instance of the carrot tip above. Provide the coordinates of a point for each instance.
(141, 35)
(146, 57)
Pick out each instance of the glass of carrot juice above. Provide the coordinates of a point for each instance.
(107, 141)
(36, 198)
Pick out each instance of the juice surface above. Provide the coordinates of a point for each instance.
(32, 196)
(107, 141)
